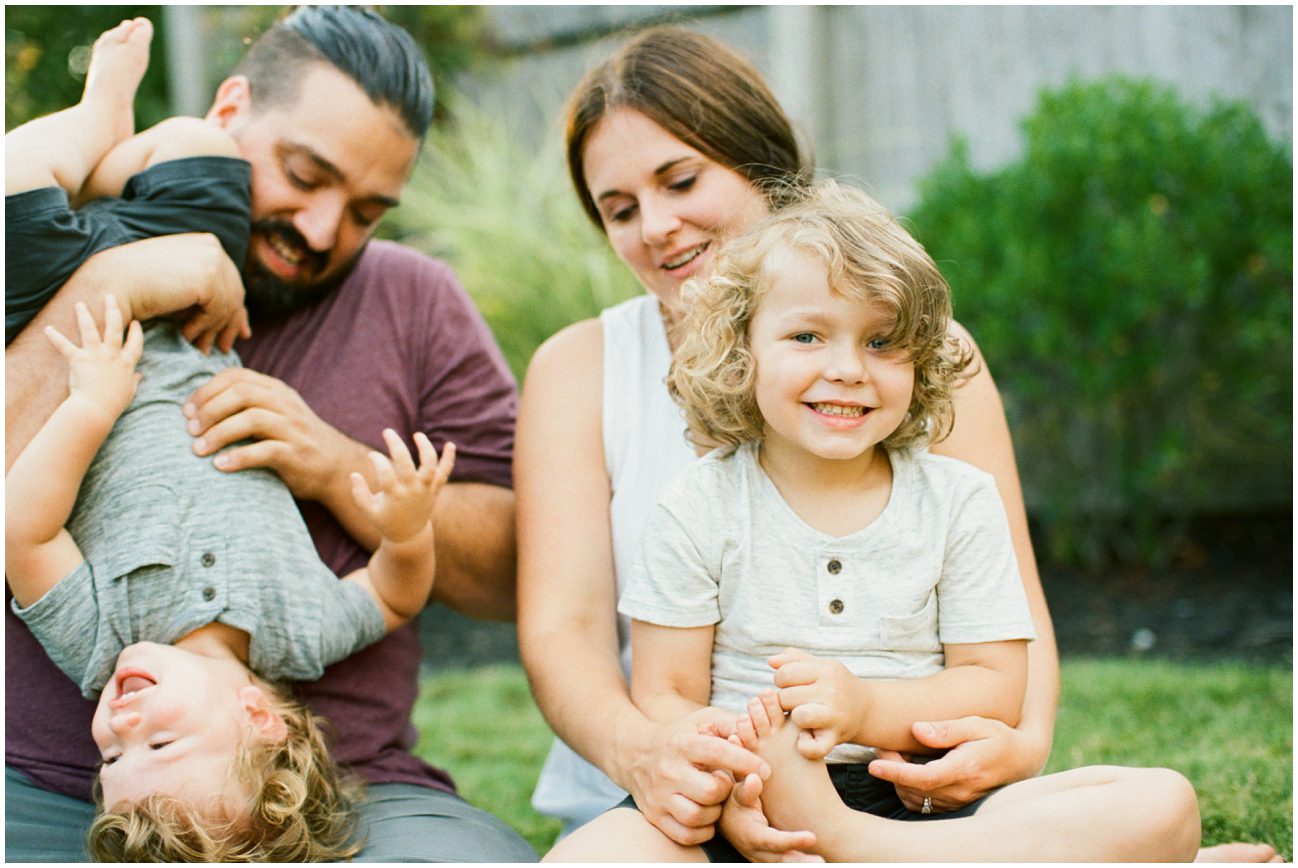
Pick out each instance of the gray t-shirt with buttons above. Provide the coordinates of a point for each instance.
(172, 544)
(937, 566)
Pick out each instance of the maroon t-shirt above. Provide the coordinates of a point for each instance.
(399, 345)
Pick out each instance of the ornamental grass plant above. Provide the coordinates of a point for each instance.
(503, 213)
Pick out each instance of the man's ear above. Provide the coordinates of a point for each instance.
(266, 722)
(233, 100)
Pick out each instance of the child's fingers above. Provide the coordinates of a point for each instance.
(402, 464)
(112, 322)
(796, 672)
(361, 493)
(86, 323)
(427, 455)
(444, 465)
(387, 478)
(788, 655)
(812, 715)
(134, 345)
(62, 344)
(817, 745)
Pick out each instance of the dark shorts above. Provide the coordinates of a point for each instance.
(46, 240)
(859, 790)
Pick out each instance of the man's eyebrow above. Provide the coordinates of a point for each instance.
(661, 170)
(337, 174)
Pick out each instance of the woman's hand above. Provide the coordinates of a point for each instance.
(746, 828)
(983, 755)
(683, 773)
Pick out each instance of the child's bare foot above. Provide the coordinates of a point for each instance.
(118, 62)
(798, 794)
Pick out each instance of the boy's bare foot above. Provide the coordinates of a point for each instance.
(118, 62)
(1239, 851)
(798, 794)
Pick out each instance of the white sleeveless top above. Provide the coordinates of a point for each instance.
(644, 447)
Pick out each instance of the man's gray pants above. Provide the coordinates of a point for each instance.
(404, 823)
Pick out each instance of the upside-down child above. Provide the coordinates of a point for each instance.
(822, 541)
(182, 596)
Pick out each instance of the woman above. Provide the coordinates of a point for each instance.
(675, 144)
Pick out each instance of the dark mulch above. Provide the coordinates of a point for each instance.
(1227, 595)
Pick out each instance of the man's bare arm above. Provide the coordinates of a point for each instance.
(476, 553)
(188, 275)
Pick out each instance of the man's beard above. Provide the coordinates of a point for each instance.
(270, 298)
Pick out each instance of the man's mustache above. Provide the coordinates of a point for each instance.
(270, 226)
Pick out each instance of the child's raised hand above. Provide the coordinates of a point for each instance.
(823, 697)
(403, 504)
(102, 369)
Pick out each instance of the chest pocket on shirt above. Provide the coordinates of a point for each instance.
(140, 530)
(914, 632)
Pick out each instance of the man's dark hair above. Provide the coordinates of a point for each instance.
(381, 57)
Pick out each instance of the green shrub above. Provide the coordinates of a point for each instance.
(504, 215)
(1130, 283)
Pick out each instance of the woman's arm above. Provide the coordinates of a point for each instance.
(987, 754)
(567, 607)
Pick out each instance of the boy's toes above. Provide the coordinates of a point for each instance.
(140, 30)
(746, 732)
(757, 713)
(770, 701)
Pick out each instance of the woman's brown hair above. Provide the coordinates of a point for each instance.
(701, 92)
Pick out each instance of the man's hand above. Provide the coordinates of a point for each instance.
(824, 699)
(683, 774)
(403, 504)
(748, 831)
(982, 757)
(312, 457)
(101, 371)
(186, 276)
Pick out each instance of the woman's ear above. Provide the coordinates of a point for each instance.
(266, 722)
(233, 100)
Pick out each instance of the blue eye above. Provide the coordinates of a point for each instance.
(804, 338)
(879, 344)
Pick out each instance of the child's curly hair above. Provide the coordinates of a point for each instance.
(867, 255)
(301, 809)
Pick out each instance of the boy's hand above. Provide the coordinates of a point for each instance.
(102, 370)
(403, 505)
(824, 699)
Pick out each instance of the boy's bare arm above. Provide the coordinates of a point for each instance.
(400, 572)
(171, 139)
(671, 669)
(41, 486)
(986, 679)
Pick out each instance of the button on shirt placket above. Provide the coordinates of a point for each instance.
(832, 585)
(209, 579)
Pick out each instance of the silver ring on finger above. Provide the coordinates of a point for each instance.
(927, 807)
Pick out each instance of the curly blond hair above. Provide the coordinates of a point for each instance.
(301, 809)
(867, 255)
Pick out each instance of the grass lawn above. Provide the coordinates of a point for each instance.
(1227, 727)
